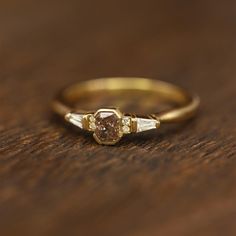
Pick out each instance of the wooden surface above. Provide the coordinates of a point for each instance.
(178, 181)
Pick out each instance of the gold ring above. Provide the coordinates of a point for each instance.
(108, 123)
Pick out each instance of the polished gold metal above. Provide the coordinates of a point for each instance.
(122, 123)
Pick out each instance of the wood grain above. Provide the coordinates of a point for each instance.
(57, 181)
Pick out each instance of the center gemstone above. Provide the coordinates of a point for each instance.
(108, 126)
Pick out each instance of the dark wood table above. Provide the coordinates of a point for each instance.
(177, 181)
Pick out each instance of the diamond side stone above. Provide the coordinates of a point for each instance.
(146, 124)
(92, 118)
(126, 129)
(75, 119)
(92, 126)
(126, 121)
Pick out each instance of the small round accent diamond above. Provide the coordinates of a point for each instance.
(92, 126)
(126, 121)
(126, 129)
(92, 118)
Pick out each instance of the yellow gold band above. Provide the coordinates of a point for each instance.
(186, 106)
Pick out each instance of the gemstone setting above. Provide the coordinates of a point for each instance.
(108, 126)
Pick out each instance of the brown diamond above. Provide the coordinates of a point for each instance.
(108, 126)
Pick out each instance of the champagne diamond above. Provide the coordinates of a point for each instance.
(108, 126)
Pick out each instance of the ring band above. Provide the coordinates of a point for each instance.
(109, 125)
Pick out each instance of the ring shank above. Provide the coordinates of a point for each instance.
(187, 104)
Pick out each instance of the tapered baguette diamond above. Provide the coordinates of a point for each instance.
(75, 119)
(146, 124)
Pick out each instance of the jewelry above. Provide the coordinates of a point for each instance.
(109, 125)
